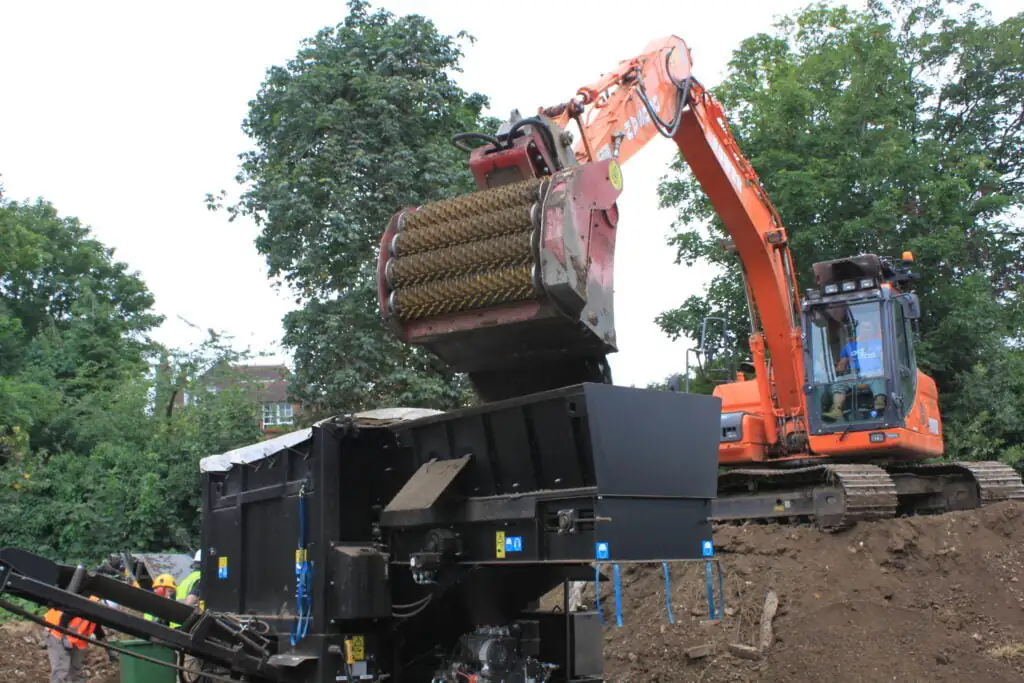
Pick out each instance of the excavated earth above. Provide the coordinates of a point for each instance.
(916, 599)
(937, 598)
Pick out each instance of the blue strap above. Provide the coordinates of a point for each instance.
(618, 598)
(721, 590)
(711, 590)
(668, 593)
(597, 591)
(303, 573)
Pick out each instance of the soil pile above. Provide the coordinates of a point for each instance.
(915, 599)
(918, 599)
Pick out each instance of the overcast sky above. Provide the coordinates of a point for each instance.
(126, 114)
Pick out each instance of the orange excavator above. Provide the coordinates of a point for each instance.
(512, 285)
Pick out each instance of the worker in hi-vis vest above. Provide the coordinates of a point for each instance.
(185, 588)
(188, 589)
(163, 586)
(66, 652)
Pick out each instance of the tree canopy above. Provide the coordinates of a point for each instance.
(899, 127)
(91, 461)
(353, 128)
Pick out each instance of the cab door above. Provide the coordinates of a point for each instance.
(906, 360)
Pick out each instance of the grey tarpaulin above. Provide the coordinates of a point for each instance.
(258, 451)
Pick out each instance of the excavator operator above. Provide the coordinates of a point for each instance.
(862, 356)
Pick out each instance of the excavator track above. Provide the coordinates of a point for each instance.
(997, 481)
(838, 496)
(870, 494)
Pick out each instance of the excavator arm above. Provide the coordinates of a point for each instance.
(524, 318)
(656, 95)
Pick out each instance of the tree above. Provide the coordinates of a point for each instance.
(137, 486)
(357, 125)
(73, 322)
(88, 465)
(900, 127)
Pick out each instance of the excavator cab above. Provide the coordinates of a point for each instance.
(860, 364)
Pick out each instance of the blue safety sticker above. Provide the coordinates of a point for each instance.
(707, 549)
(513, 544)
(603, 551)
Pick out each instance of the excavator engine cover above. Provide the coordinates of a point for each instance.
(511, 284)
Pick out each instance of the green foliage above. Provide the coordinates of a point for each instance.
(353, 128)
(896, 128)
(72, 322)
(90, 460)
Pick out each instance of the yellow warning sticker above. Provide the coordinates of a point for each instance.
(499, 545)
(357, 649)
(615, 175)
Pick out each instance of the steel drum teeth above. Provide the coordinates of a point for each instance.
(478, 290)
(465, 253)
(481, 202)
(467, 229)
(463, 259)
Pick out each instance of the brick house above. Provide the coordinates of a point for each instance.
(269, 387)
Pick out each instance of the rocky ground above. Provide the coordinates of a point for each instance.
(924, 599)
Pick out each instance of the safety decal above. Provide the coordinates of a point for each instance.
(355, 649)
(615, 175)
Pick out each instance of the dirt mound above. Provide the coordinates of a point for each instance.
(920, 599)
(928, 598)
(23, 657)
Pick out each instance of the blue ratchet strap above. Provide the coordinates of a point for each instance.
(618, 598)
(303, 594)
(597, 591)
(711, 590)
(668, 593)
(721, 590)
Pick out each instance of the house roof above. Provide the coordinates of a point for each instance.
(271, 380)
(264, 371)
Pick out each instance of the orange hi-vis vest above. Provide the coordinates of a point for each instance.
(78, 625)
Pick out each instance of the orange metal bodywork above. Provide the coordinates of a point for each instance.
(614, 119)
(919, 438)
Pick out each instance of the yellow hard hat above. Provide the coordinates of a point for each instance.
(164, 580)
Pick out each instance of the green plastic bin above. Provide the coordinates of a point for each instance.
(135, 670)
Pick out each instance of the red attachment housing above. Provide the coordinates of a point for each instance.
(563, 334)
(528, 157)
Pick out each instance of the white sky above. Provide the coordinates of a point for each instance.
(125, 115)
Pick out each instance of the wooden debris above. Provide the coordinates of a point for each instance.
(744, 651)
(700, 651)
(771, 606)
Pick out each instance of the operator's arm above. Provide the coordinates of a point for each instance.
(195, 594)
(844, 358)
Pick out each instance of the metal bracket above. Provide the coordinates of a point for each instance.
(426, 486)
